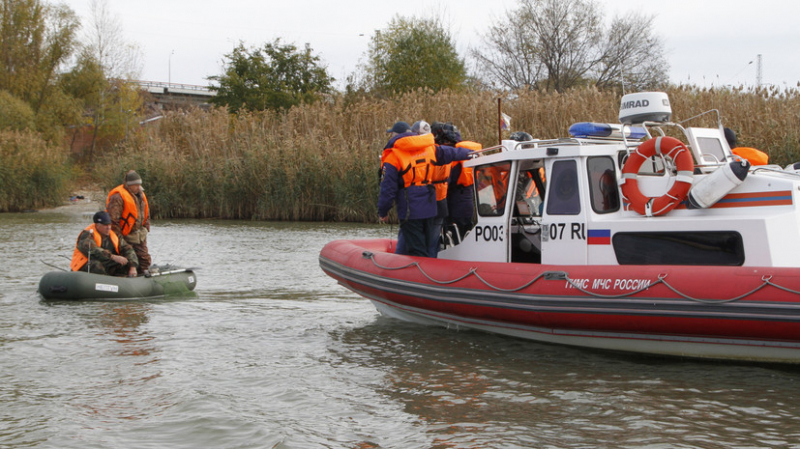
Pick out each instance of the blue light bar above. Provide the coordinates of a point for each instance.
(588, 129)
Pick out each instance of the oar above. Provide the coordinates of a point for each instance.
(177, 270)
(51, 265)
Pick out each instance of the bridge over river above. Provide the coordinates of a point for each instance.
(174, 94)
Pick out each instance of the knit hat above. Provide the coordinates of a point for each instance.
(132, 178)
(421, 127)
(102, 217)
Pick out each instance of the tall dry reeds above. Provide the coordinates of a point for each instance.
(33, 173)
(320, 161)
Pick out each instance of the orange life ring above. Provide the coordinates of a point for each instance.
(668, 148)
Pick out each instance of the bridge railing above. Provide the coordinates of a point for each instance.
(171, 85)
(175, 89)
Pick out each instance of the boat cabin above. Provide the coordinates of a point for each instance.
(688, 199)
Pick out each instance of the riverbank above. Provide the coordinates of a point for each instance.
(82, 201)
(320, 162)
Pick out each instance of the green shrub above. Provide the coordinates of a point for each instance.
(15, 114)
(33, 174)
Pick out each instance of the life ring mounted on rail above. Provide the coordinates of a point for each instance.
(669, 149)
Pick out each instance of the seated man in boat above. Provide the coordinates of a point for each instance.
(407, 181)
(100, 250)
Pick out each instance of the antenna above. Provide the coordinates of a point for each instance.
(758, 71)
(89, 253)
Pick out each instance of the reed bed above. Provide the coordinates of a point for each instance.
(319, 162)
(33, 174)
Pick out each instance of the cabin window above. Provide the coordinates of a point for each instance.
(563, 195)
(530, 189)
(718, 248)
(491, 185)
(711, 146)
(603, 189)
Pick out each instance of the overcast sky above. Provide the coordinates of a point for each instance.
(708, 42)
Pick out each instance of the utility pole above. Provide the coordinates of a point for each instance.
(169, 67)
(758, 71)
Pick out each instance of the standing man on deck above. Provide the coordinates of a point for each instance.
(460, 198)
(130, 216)
(407, 182)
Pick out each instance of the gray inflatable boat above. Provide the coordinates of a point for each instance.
(78, 285)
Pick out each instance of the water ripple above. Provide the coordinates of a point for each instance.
(274, 354)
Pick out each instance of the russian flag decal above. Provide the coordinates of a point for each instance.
(599, 237)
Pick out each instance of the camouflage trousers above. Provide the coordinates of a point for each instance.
(143, 254)
(109, 268)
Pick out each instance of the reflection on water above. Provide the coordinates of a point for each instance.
(272, 353)
(471, 389)
(123, 323)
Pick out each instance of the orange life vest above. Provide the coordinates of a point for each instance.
(532, 189)
(130, 213)
(79, 259)
(497, 177)
(466, 178)
(756, 157)
(413, 157)
(439, 178)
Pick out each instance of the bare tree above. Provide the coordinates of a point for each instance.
(558, 44)
(568, 31)
(104, 40)
(631, 54)
(105, 63)
(512, 60)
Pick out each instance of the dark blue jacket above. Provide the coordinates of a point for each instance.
(460, 201)
(414, 202)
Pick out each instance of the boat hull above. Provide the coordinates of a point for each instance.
(78, 285)
(740, 313)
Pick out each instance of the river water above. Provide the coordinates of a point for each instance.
(274, 354)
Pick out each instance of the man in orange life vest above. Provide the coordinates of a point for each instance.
(407, 181)
(440, 176)
(397, 131)
(754, 156)
(102, 250)
(460, 208)
(130, 216)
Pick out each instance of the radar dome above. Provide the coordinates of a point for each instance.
(644, 107)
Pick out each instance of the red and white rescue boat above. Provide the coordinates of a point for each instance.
(618, 238)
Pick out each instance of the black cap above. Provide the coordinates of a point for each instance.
(102, 217)
(399, 128)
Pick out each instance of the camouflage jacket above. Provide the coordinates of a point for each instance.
(100, 257)
(115, 207)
